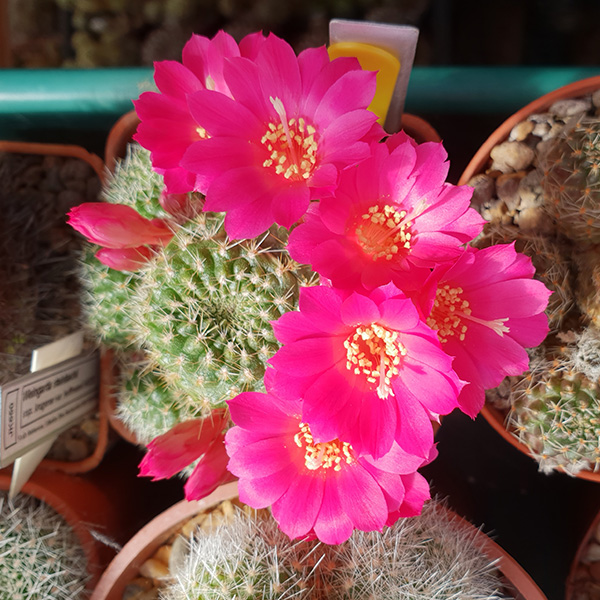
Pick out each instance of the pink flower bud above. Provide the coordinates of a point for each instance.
(117, 226)
(124, 259)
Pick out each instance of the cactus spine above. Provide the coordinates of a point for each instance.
(248, 557)
(40, 556)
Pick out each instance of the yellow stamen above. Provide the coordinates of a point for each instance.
(384, 233)
(375, 352)
(322, 455)
(451, 314)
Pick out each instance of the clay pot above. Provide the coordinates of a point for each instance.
(478, 164)
(82, 504)
(69, 151)
(125, 566)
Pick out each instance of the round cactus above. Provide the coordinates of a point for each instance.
(248, 557)
(148, 406)
(556, 412)
(571, 179)
(106, 299)
(136, 184)
(41, 556)
(204, 307)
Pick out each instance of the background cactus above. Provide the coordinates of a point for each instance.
(554, 408)
(571, 179)
(40, 555)
(248, 557)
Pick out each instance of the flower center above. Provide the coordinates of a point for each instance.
(451, 313)
(324, 455)
(291, 145)
(374, 351)
(384, 232)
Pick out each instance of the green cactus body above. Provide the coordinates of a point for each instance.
(249, 558)
(106, 298)
(148, 406)
(556, 414)
(40, 556)
(134, 183)
(571, 180)
(204, 307)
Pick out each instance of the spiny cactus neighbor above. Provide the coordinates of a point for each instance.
(40, 556)
(556, 408)
(204, 306)
(571, 179)
(249, 558)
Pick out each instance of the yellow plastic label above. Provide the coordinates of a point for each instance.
(373, 58)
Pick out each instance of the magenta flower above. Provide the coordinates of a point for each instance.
(486, 309)
(324, 489)
(198, 439)
(369, 370)
(124, 259)
(117, 226)
(393, 217)
(167, 127)
(293, 124)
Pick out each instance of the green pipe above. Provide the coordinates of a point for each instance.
(61, 99)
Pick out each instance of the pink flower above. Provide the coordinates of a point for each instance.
(326, 488)
(117, 226)
(186, 442)
(486, 309)
(391, 216)
(369, 370)
(167, 127)
(292, 125)
(124, 259)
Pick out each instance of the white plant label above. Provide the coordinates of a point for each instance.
(40, 405)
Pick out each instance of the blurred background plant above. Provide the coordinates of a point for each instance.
(97, 33)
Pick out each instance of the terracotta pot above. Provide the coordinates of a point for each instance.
(97, 165)
(82, 504)
(579, 570)
(143, 545)
(478, 164)
(125, 566)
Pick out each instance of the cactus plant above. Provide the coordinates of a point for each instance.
(556, 408)
(247, 556)
(571, 179)
(197, 314)
(204, 307)
(148, 406)
(40, 555)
